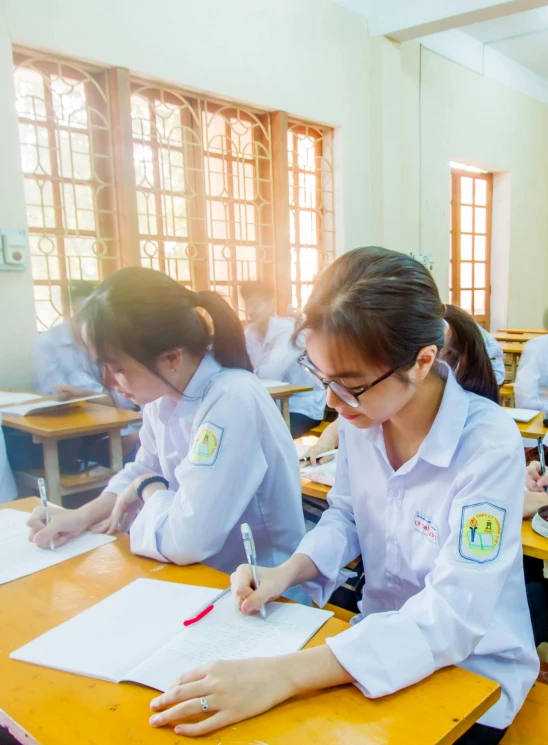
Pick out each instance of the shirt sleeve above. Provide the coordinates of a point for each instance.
(334, 541)
(496, 356)
(146, 460)
(218, 478)
(527, 386)
(443, 623)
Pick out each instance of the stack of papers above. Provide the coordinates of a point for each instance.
(137, 634)
(323, 473)
(19, 557)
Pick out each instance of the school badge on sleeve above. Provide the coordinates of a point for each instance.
(481, 531)
(207, 442)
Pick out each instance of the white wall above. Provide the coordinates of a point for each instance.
(400, 122)
(309, 58)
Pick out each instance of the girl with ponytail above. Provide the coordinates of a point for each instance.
(429, 490)
(214, 450)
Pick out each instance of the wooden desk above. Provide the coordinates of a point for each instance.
(77, 421)
(50, 707)
(534, 332)
(313, 489)
(533, 429)
(521, 338)
(533, 544)
(283, 393)
(513, 351)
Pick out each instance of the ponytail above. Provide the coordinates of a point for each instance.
(144, 313)
(228, 340)
(466, 354)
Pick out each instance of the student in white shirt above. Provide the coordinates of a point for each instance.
(8, 490)
(214, 451)
(429, 491)
(275, 357)
(463, 339)
(531, 386)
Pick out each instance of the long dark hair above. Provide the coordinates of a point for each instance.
(386, 305)
(466, 353)
(143, 313)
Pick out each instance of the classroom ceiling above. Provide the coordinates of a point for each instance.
(523, 37)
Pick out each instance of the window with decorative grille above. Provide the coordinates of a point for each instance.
(199, 202)
(470, 243)
(66, 153)
(310, 164)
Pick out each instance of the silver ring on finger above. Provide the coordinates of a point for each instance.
(204, 704)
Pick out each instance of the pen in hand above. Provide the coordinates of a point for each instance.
(44, 498)
(540, 447)
(249, 546)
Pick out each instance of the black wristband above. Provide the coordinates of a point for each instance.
(151, 480)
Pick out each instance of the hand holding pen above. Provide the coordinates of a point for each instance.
(540, 447)
(249, 546)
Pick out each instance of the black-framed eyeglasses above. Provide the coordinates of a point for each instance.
(341, 391)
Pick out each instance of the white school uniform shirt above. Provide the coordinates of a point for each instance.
(494, 350)
(57, 360)
(441, 545)
(275, 358)
(531, 386)
(8, 489)
(229, 458)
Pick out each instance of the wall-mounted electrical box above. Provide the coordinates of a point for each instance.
(425, 259)
(13, 250)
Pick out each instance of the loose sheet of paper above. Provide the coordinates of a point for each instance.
(323, 473)
(38, 406)
(9, 398)
(137, 634)
(521, 415)
(272, 383)
(19, 557)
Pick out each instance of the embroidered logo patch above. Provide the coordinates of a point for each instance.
(206, 445)
(425, 527)
(481, 531)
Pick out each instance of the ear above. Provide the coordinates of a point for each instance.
(170, 360)
(425, 359)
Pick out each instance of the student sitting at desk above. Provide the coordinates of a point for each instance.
(8, 490)
(274, 357)
(214, 451)
(531, 386)
(427, 490)
(64, 370)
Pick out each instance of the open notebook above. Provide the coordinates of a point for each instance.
(43, 405)
(9, 398)
(322, 473)
(137, 634)
(19, 557)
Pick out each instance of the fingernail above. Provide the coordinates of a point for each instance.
(153, 721)
(154, 703)
(245, 609)
(178, 730)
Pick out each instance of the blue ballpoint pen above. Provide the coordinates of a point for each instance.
(249, 545)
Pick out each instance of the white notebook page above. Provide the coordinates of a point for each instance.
(137, 634)
(19, 557)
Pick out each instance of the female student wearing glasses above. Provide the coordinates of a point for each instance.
(429, 491)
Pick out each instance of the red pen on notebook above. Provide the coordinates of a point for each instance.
(205, 609)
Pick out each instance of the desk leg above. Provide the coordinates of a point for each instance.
(115, 450)
(51, 470)
(284, 405)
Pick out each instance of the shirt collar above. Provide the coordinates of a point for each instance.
(440, 444)
(194, 393)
